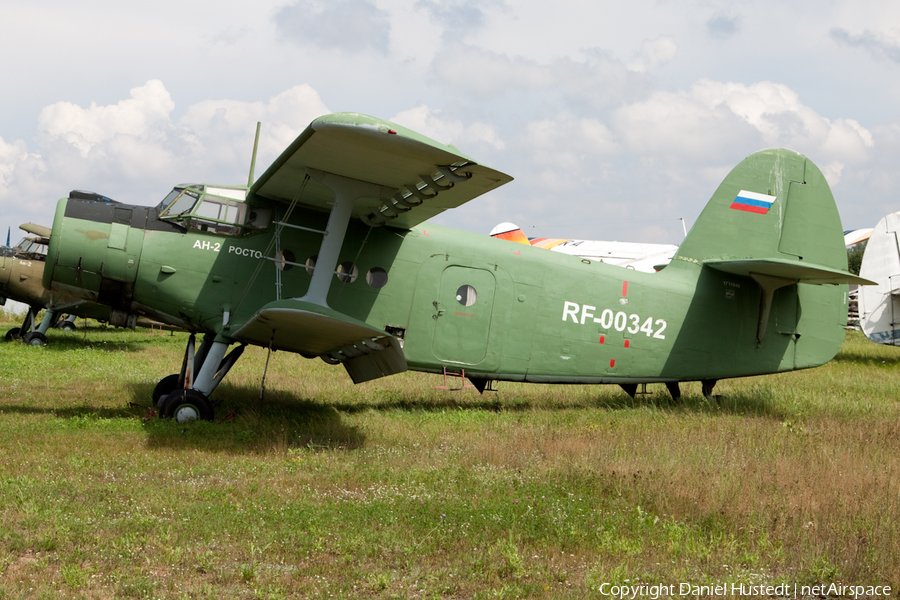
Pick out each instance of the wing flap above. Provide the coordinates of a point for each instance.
(429, 177)
(312, 330)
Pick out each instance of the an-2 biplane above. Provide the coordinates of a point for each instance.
(328, 255)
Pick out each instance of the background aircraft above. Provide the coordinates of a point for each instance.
(328, 255)
(879, 305)
(21, 271)
(632, 255)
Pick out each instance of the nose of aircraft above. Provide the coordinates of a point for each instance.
(93, 252)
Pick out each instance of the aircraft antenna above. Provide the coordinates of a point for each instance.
(253, 158)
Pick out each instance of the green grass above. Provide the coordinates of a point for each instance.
(394, 489)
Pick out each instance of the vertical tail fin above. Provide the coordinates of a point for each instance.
(773, 219)
(774, 216)
(510, 232)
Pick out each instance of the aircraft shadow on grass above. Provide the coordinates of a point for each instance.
(82, 339)
(72, 412)
(284, 420)
(281, 406)
(280, 419)
(858, 358)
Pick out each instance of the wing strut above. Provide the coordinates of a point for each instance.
(346, 192)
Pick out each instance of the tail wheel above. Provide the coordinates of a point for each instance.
(186, 405)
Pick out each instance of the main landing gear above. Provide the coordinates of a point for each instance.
(36, 336)
(184, 396)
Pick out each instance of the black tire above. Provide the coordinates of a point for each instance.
(166, 386)
(68, 326)
(13, 334)
(35, 338)
(186, 405)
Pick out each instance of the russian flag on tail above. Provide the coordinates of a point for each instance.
(753, 202)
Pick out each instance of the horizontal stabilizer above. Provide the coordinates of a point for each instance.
(312, 330)
(800, 271)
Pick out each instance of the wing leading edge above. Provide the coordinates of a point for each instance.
(429, 177)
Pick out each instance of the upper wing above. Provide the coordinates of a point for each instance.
(428, 177)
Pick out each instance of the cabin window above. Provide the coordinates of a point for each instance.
(377, 277)
(218, 215)
(466, 295)
(285, 260)
(347, 272)
(32, 248)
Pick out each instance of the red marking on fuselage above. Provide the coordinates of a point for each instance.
(459, 314)
(612, 363)
(627, 342)
(602, 338)
(518, 252)
(425, 233)
(624, 289)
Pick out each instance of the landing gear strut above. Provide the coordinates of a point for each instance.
(184, 397)
(707, 386)
(31, 335)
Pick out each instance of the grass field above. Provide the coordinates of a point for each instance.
(395, 489)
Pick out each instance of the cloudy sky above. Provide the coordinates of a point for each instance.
(616, 119)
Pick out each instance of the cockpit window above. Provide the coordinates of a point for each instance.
(180, 201)
(31, 248)
(207, 208)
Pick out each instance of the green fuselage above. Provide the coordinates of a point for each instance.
(496, 309)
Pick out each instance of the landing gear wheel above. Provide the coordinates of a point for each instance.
(186, 405)
(35, 338)
(13, 334)
(166, 386)
(68, 326)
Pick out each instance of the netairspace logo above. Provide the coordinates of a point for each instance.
(654, 592)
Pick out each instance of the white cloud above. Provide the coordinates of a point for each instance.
(595, 78)
(148, 107)
(568, 143)
(714, 118)
(133, 150)
(223, 130)
(432, 123)
(654, 53)
(679, 126)
(350, 26)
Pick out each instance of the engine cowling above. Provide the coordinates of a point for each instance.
(95, 249)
